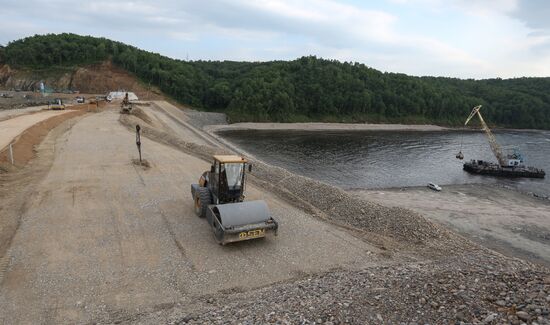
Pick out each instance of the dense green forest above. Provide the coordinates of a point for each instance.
(306, 89)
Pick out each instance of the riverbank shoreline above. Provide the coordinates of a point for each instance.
(321, 126)
(488, 214)
(326, 127)
(501, 218)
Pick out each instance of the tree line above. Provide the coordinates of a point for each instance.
(305, 89)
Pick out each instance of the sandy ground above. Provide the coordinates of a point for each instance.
(23, 99)
(324, 127)
(11, 113)
(512, 223)
(100, 236)
(11, 128)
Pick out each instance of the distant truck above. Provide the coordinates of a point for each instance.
(80, 100)
(56, 104)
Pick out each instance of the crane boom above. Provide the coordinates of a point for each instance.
(492, 140)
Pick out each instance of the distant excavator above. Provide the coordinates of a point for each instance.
(126, 105)
(509, 165)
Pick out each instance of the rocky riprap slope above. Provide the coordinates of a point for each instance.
(477, 288)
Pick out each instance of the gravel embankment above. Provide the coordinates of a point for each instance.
(466, 289)
(202, 119)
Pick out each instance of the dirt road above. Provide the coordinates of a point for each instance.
(11, 113)
(101, 237)
(11, 128)
(509, 222)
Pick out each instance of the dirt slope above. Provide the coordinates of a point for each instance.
(11, 128)
(93, 79)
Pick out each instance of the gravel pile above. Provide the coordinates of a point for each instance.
(337, 205)
(466, 289)
(202, 119)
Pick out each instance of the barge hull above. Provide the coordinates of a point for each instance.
(485, 168)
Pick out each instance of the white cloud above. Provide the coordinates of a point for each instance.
(485, 38)
(484, 7)
(477, 7)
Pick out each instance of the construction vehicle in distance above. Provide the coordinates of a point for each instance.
(56, 104)
(509, 165)
(126, 105)
(219, 196)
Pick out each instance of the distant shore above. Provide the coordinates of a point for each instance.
(326, 127)
(320, 126)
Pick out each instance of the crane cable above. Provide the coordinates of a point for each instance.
(460, 155)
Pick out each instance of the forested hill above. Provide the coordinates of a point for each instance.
(306, 89)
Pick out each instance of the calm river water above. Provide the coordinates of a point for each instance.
(374, 159)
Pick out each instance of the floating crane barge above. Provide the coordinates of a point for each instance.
(488, 168)
(510, 165)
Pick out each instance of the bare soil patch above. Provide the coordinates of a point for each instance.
(143, 163)
(16, 181)
(92, 79)
(23, 148)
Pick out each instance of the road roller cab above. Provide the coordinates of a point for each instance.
(219, 196)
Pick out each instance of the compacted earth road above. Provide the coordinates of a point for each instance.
(11, 128)
(100, 239)
(101, 235)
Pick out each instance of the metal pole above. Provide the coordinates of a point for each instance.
(11, 154)
(138, 141)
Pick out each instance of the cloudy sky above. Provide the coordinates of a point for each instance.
(457, 38)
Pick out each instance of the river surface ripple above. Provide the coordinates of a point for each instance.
(382, 159)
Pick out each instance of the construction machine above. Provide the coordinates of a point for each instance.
(509, 165)
(125, 106)
(219, 196)
(56, 104)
